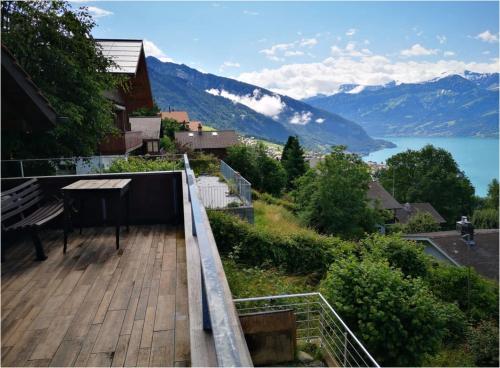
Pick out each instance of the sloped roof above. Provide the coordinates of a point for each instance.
(19, 86)
(149, 126)
(207, 140)
(193, 125)
(483, 256)
(125, 53)
(408, 210)
(377, 192)
(179, 116)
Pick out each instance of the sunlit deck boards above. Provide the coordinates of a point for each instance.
(96, 306)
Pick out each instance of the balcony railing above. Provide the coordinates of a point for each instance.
(318, 322)
(218, 311)
(122, 143)
(239, 184)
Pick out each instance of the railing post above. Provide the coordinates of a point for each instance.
(345, 348)
(22, 168)
(207, 325)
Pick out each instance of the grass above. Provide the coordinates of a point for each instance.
(276, 218)
(246, 282)
(207, 128)
(271, 144)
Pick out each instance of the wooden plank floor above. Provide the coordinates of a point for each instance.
(96, 306)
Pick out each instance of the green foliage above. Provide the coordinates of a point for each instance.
(483, 341)
(293, 161)
(138, 164)
(167, 144)
(296, 253)
(406, 255)
(395, 317)
(430, 175)
(269, 199)
(170, 126)
(263, 172)
(146, 111)
(449, 283)
(451, 356)
(246, 282)
(421, 222)
(333, 199)
(53, 43)
(486, 218)
(205, 164)
(492, 198)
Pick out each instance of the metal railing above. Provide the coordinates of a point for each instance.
(74, 165)
(217, 196)
(318, 322)
(239, 184)
(219, 313)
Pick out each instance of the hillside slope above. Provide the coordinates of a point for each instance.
(227, 103)
(450, 106)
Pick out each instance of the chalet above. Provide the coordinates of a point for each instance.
(179, 116)
(215, 142)
(130, 61)
(25, 109)
(150, 128)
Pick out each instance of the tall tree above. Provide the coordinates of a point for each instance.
(53, 42)
(492, 198)
(333, 198)
(429, 175)
(293, 160)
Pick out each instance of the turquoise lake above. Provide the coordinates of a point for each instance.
(477, 157)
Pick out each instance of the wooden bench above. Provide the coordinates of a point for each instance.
(24, 208)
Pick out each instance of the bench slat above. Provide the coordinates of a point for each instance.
(21, 209)
(39, 217)
(19, 187)
(9, 204)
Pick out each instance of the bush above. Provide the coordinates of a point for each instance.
(485, 218)
(404, 254)
(421, 222)
(483, 341)
(396, 318)
(246, 282)
(167, 144)
(449, 283)
(296, 253)
(205, 164)
(269, 199)
(139, 164)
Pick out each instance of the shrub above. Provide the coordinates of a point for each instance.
(396, 317)
(485, 218)
(421, 222)
(139, 164)
(296, 253)
(449, 283)
(167, 144)
(269, 199)
(483, 341)
(204, 164)
(404, 254)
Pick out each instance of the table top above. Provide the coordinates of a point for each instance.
(99, 184)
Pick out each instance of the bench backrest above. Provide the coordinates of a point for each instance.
(21, 198)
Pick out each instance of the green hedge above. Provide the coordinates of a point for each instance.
(296, 253)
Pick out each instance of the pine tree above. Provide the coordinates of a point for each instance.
(293, 160)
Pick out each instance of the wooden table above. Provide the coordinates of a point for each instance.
(112, 190)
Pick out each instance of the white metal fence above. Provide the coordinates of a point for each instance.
(317, 322)
(240, 185)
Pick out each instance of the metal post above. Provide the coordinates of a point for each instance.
(345, 348)
(22, 168)
(204, 306)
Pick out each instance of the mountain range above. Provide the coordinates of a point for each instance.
(453, 105)
(225, 103)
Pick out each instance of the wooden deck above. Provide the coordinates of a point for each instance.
(96, 306)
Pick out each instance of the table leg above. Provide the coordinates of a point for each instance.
(117, 205)
(128, 209)
(67, 209)
(81, 214)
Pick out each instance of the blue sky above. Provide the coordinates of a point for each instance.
(302, 49)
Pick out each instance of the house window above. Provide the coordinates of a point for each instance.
(152, 146)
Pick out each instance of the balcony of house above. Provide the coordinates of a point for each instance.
(122, 143)
(154, 294)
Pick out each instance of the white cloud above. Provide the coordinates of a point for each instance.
(487, 52)
(228, 64)
(150, 49)
(249, 12)
(301, 80)
(272, 52)
(349, 50)
(487, 36)
(98, 12)
(441, 39)
(418, 50)
(269, 105)
(308, 42)
(351, 32)
(301, 118)
(320, 120)
(449, 53)
(294, 53)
